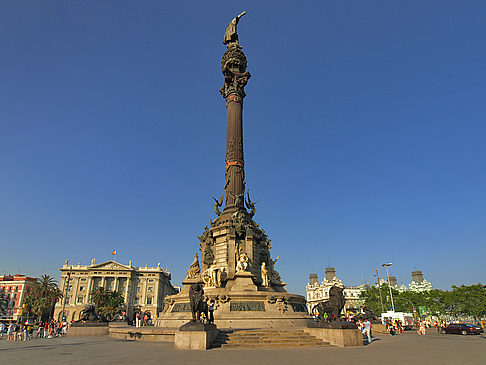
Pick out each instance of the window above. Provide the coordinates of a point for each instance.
(149, 300)
(151, 280)
(83, 279)
(150, 289)
(80, 299)
(137, 300)
(81, 288)
(138, 289)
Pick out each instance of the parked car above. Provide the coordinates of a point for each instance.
(462, 329)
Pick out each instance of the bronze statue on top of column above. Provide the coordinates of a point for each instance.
(233, 64)
(231, 35)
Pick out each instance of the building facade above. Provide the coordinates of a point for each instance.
(144, 288)
(15, 288)
(419, 284)
(316, 292)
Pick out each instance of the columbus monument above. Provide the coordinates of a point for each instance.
(234, 264)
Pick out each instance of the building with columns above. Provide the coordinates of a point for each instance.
(144, 288)
(316, 292)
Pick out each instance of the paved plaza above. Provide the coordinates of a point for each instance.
(408, 348)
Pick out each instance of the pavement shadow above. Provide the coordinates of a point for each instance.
(374, 339)
(47, 346)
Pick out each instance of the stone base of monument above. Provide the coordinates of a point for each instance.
(146, 333)
(337, 333)
(341, 337)
(240, 304)
(195, 336)
(378, 328)
(88, 329)
(334, 325)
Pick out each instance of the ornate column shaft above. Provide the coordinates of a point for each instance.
(233, 67)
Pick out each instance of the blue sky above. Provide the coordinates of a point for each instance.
(364, 128)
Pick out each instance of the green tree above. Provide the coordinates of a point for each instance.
(44, 286)
(371, 298)
(98, 297)
(470, 300)
(29, 304)
(112, 304)
(43, 298)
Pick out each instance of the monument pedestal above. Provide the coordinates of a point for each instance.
(341, 337)
(242, 281)
(241, 305)
(88, 329)
(195, 336)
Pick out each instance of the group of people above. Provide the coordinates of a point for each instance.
(394, 327)
(142, 319)
(20, 331)
(210, 313)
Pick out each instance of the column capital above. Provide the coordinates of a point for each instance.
(233, 67)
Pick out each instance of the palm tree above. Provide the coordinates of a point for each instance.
(98, 296)
(42, 308)
(113, 304)
(29, 303)
(44, 298)
(44, 285)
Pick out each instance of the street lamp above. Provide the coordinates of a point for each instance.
(65, 295)
(389, 286)
(379, 290)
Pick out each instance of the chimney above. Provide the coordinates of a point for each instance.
(313, 279)
(393, 281)
(330, 273)
(417, 276)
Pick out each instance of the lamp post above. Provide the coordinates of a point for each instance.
(65, 295)
(379, 290)
(389, 286)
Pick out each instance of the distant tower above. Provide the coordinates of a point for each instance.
(313, 279)
(419, 284)
(393, 281)
(330, 273)
(417, 276)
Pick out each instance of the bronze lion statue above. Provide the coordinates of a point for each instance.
(331, 307)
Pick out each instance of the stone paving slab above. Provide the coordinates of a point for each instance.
(407, 348)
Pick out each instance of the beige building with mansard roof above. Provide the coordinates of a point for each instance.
(144, 288)
(317, 293)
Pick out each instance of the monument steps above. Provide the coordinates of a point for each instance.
(267, 339)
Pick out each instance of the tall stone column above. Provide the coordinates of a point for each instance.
(127, 284)
(233, 67)
(88, 289)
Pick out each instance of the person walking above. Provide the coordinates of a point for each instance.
(367, 329)
(2, 329)
(10, 335)
(40, 330)
(138, 320)
(211, 311)
(26, 331)
(422, 329)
